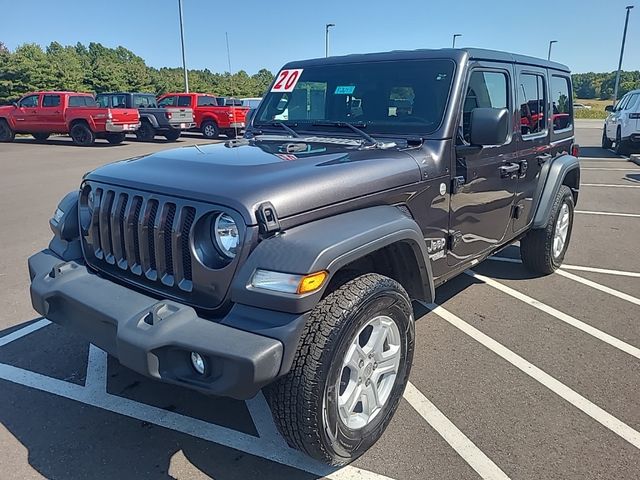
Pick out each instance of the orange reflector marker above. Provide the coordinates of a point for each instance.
(312, 282)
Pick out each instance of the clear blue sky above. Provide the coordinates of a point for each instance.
(268, 34)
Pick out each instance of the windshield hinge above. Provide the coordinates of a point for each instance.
(268, 223)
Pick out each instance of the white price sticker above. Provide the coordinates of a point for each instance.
(287, 80)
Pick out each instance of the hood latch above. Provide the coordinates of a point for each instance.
(268, 222)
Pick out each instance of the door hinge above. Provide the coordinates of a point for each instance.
(452, 239)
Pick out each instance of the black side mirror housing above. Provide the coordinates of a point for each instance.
(250, 114)
(608, 108)
(489, 126)
(15, 104)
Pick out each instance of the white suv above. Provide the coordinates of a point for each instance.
(622, 126)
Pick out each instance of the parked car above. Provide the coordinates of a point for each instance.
(581, 106)
(77, 114)
(290, 259)
(168, 122)
(212, 114)
(251, 102)
(622, 126)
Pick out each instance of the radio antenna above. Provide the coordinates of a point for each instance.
(233, 102)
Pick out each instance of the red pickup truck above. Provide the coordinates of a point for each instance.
(213, 115)
(77, 114)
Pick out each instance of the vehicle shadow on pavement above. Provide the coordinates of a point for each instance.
(596, 152)
(64, 142)
(67, 438)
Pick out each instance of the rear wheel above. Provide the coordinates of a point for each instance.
(172, 135)
(115, 138)
(542, 250)
(41, 137)
(620, 147)
(210, 129)
(349, 372)
(82, 135)
(606, 143)
(6, 133)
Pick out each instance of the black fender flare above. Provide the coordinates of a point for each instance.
(329, 244)
(150, 118)
(559, 168)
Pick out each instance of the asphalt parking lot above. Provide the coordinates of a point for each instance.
(513, 376)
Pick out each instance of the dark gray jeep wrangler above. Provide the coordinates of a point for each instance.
(289, 259)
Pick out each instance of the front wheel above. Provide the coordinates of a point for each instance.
(349, 372)
(620, 147)
(82, 135)
(6, 133)
(543, 249)
(606, 143)
(115, 138)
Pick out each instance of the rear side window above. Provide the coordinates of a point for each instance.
(486, 90)
(82, 101)
(184, 101)
(51, 101)
(144, 101)
(561, 103)
(206, 101)
(167, 102)
(533, 112)
(632, 102)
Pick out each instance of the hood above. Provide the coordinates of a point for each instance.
(242, 175)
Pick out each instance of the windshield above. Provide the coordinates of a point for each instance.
(405, 97)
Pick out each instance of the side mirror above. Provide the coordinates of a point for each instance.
(608, 108)
(489, 126)
(15, 104)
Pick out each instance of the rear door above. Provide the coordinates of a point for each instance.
(51, 115)
(482, 199)
(535, 121)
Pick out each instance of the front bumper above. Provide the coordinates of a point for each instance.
(121, 127)
(156, 338)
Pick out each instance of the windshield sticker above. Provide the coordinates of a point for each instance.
(287, 80)
(345, 90)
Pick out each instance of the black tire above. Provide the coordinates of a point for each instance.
(6, 133)
(303, 402)
(606, 143)
(115, 138)
(172, 135)
(536, 248)
(231, 133)
(41, 137)
(82, 135)
(210, 129)
(620, 147)
(146, 132)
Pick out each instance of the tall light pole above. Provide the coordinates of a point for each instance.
(326, 38)
(455, 35)
(624, 38)
(551, 45)
(184, 61)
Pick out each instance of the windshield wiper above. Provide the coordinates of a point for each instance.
(288, 129)
(362, 133)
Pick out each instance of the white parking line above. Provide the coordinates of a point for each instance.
(7, 339)
(96, 377)
(181, 423)
(606, 271)
(454, 437)
(612, 214)
(574, 398)
(612, 169)
(263, 420)
(610, 185)
(602, 288)
(563, 317)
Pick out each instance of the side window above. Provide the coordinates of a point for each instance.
(622, 103)
(203, 101)
(29, 102)
(51, 101)
(103, 101)
(486, 90)
(144, 101)
(631, 103)
(532, 101)
(184, 101)
(167, 102)
(561, 103)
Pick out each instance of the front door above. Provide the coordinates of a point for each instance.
(485, 180)
(27, 114)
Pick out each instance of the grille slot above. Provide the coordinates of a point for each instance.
(146, 237)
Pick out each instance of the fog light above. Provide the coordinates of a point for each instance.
(198, 363)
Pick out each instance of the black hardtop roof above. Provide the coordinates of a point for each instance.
(457, 54)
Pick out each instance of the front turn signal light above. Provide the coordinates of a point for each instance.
(312, 282)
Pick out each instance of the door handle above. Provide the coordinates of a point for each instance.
(543, 158)
(509, 170)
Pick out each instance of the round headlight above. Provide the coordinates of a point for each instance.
(225, 233)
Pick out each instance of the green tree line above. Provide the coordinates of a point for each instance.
(96, 68)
